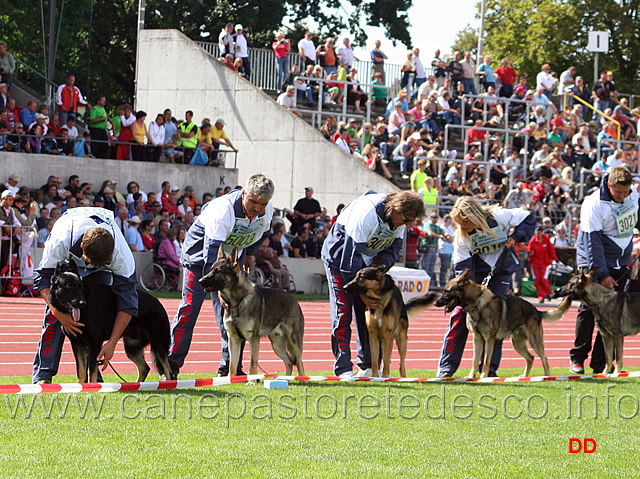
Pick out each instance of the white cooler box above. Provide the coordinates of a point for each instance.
(412, 282)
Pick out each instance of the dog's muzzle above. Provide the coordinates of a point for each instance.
(354, 288)
(449, 303)
(209, 283)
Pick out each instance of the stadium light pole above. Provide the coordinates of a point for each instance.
(483, 11)
(141, 9)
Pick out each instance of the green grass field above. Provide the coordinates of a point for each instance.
(327, 430)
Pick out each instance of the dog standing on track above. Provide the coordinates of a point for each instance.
(90, 238)
(391, 320)
(616, 313)
(483, 243)
(252, 312)
(370, 227)
(492, 316)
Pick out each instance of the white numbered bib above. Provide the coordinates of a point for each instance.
(482, 242)
(242, 236)
(626, 216)
(382, 238)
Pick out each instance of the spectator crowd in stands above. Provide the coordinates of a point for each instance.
(555, 153)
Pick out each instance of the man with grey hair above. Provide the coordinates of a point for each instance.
(241, 218)
(7, 65)
(225, 40)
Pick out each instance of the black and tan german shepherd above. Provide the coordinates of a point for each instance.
(391, 320)
(96, 308)
(252, 312)
(494, 316)
(616, 313)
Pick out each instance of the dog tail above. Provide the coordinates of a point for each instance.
(556, 314)
(416, 305)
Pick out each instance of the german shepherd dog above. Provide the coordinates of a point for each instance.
(95, 307)
(494, 316)
(617, 314)
(252, 312)
(391, 320)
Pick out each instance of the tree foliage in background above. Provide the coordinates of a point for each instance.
(97, 40)
(533, 32)
(466, 41)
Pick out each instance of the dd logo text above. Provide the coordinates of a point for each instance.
(586, 445)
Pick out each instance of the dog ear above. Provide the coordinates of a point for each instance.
(377, 262)
(73, 266)
(221, 253)
(57, 270)
(234, 255)
(382, 269)
(466, 275)
(592, 273)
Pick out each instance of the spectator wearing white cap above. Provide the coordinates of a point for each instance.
(241, 46)
(12, 183)
(132, 235)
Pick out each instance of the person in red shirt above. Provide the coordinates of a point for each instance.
(541, 254)
(476, 137)
(414, 234)
(507, 76)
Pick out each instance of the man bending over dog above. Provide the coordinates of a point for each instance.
(90, 237)
(241, 218)
(370, 227)
(605, 240)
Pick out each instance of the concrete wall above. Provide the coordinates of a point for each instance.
(173, 72)
(35, 169)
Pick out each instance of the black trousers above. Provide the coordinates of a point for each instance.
(584, 332)
(100, 149)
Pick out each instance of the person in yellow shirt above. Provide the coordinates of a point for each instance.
(205, 139)
(419, 175)
(219, 137)
(430, 194)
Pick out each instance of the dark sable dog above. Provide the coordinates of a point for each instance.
(95, 307)
(494, 316)
(252, 312)
(391, 319)
(617, 314)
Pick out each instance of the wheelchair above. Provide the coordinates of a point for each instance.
(158, 277)
(263, 278)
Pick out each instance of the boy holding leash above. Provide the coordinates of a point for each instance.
(90, 237)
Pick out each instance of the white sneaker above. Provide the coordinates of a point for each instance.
(347, 374)
(364, 373)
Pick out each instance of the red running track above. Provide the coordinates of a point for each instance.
(21, 321)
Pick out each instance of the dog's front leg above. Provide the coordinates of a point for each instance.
(387, 351)
(81, 353)
(609, 349)
(374, 347)
(255, 351)
(488, 352)
(234, 349)
(478, 343)
(619, 352)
